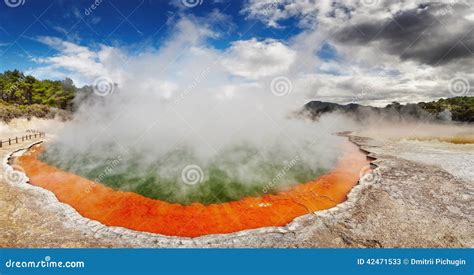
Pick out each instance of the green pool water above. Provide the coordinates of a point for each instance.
(233, 174)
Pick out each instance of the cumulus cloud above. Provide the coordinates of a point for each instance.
(387, 50)
(254, 59)
(274, 11)
(186, 102)
(82, 63)
(432, 33)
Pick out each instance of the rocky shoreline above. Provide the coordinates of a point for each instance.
(402, 203)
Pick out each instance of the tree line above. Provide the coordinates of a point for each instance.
(16, 88)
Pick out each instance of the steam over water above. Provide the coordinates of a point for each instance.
(195, 168)
(174, 124)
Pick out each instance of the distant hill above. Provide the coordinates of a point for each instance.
(456, 109)
(25, 96)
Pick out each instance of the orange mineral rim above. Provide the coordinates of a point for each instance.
(136, 212)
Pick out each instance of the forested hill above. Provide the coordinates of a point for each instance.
(25, 96)
(16, 88)
(456, 109)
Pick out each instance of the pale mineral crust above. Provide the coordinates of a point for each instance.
(411, 199)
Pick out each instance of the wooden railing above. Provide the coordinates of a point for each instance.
(32, 134)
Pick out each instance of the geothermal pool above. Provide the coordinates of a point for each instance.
(134, 211)
(231, 175)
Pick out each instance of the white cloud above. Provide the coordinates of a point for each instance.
(367, 73)
(255, 59)
(273, 11)
(397, 58)
(80, 63)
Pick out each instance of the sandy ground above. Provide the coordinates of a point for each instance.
(420, 195)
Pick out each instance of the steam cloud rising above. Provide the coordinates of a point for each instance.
(178, 105)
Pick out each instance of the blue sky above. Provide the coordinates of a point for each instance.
(372, 52)
(115, 23)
